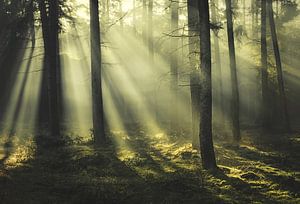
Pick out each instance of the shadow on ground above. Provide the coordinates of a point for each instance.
(144, 169)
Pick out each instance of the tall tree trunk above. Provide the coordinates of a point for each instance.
(206, 141)
(278, 67)
(218, 66)
(150, 31)
(193, 23)
(51, 48)
(174, 62)
(264, 68)
(233, 73)
(97, 101)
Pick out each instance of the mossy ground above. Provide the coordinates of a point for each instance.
(152, 169)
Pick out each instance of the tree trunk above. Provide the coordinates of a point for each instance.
(264, 68)
(97, 101)
(233, 73)
(206, 141)
(218, 67)
(174, 63)
(280, 81)
(53, 69)
(150, 31)
(51, 48)
(193, 23)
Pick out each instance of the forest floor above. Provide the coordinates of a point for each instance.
(152, 169)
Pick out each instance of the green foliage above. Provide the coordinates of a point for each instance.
(146, 169)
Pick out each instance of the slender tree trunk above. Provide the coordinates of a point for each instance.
(264, 68)
(206, 141)
(174, 63)
(150, 31)
(218, 67)
(32, 26)
(193, 23)
(233, 73)
(97, 101)
(280, 81)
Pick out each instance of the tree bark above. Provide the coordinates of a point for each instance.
(97, 100)
(280, 81)
(233, 74)
(193, 24)
(206, 141)
(264, 67)
(51, 48)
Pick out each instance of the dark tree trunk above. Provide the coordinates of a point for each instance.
(280, 81)
(264, 68)
(233, 72)
(193, 23)
(50, 29)
(97, 101)
(54, 67)
(206, 141)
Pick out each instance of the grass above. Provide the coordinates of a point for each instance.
(151, 169)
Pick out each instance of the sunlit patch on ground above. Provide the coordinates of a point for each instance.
(161, 169)
(14, 153)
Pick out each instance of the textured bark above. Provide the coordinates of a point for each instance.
(193, 23)
(233, 73)
(206, 142)
(97, 101)
(280, 81)
(264, 69)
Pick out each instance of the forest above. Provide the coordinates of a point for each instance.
(143, 101)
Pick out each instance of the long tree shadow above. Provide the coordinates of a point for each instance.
(167, 179)
(241, 191)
